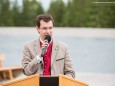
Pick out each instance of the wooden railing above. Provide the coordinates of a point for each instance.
(9, 70)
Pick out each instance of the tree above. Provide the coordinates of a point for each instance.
(105, 14)
(16, 14)
(57, 10)
(5, 13)
(82, 13)
(30, 10)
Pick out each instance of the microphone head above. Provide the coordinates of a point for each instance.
(48, 37)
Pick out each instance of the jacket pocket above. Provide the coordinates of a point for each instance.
(59, 59)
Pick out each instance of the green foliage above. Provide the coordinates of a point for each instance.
(5, 15)
(83, 13)
(75, 13)
(57, 10)
(30, 10)
(26, 16)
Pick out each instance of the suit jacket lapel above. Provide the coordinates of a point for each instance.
(54, 51)
(37, 46)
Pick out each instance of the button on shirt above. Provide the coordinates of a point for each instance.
(47, 59)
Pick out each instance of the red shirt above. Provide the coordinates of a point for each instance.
(47, 60)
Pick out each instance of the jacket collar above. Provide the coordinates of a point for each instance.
(37, 46)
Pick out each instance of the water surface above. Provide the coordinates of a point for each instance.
(88, 54)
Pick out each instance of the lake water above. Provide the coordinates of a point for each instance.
(88, 54)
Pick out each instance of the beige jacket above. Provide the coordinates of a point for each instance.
(60, 59)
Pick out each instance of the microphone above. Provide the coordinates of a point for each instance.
(48, 38)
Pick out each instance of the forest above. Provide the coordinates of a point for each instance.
(74, 13)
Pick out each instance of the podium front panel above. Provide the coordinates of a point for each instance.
(49, 81)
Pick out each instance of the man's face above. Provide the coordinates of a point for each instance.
(46, 28)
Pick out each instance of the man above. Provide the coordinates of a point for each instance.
(56, 59)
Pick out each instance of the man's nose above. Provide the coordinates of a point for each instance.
(48, 31)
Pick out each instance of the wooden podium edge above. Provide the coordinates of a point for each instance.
(64, 76)
(18, 80)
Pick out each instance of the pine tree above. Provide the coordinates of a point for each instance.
(57, 10)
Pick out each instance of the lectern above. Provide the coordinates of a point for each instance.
(36, 80)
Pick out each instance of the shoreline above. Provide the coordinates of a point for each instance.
(62, 31)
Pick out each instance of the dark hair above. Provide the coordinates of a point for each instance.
(44, 17)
